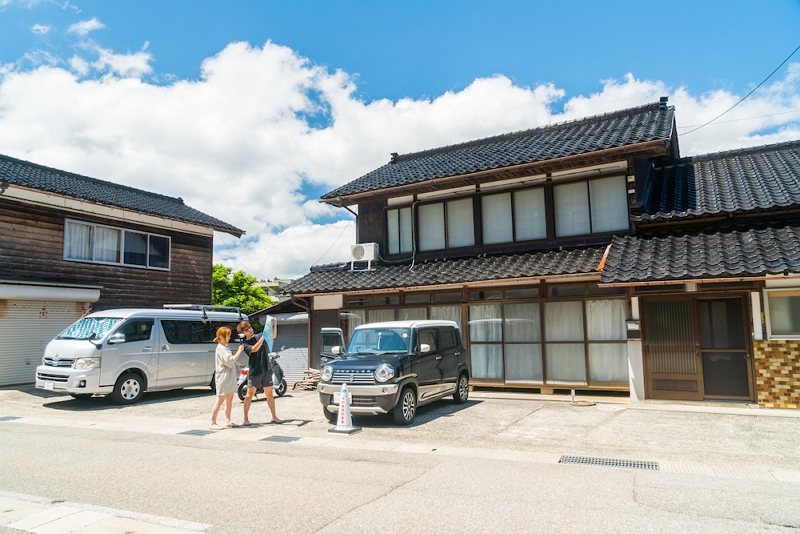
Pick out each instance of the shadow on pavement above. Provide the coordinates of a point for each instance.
(425, 414)
(98, 402)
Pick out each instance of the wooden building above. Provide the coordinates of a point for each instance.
(556, 248)
(69, 243)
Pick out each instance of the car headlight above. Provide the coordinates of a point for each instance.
(86, 363)
(383, 373)
(326, 373)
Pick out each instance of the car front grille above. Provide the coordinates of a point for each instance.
(52, 378)
(51, 362)
(361, 401)
(361, 378)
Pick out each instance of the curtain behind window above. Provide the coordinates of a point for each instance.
(609, 204)
(380, 316)
(447, 313)
(605, 321)
(353, 318)
(566, 362)
(496, 217)
(486, 361)
(431, 227)
(524, 362)
(412, 314)
(79, 241)
(106, 244)
(485, 323)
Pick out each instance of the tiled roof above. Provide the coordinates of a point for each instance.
(704, 255)
(33, 176)
(339, 277)
(620, 128)
(760, 178)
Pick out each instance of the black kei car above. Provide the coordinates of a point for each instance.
(394, 367)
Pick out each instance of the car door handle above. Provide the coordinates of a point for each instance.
(147, 349)
(457, 354)
(439, 357)
(165, 348)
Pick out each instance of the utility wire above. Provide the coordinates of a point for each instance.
(746, 118)
(745, 96)
(346, 226)
(237, 260)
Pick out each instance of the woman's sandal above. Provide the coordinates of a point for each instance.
(216, 427)
(231, 424)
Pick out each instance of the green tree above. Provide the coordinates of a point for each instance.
(237, 289)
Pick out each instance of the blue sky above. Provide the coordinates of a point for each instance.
(89, 86)
(419, 49)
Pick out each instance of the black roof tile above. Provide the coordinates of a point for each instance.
(621, 128)
(335, 278)
(703, 255)
(33, 176)
(750, 179)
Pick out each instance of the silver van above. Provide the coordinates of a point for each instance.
(125, 352)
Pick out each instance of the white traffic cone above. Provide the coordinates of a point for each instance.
(344, 423)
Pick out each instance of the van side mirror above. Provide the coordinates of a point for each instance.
(336, 350)
(423, 348)
(119, 337)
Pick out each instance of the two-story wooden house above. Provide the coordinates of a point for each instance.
(538, 243)
(69, 243)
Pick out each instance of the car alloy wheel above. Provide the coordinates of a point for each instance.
(406, 409)
(462, 389)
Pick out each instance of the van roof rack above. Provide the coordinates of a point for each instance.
(205, 308)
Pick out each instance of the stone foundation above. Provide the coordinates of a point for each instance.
(777, 366)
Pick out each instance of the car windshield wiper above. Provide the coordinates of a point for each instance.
(395, 352)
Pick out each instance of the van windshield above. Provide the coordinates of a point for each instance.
(99, 326)
(379, 341)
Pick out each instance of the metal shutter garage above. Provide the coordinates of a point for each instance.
(26, 327)
(292, 345)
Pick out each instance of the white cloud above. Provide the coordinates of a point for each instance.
(236, 144)
(85, 26)
(39, 29)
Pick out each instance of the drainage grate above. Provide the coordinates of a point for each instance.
(9, 418)
(610, 462)
(196, 433)
(280, 439)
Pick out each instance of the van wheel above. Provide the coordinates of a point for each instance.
(406, 408)
(462, 389)
(128, 389)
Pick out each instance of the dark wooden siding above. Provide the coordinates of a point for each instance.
(32, 249)
(317, 320)
(371, 224)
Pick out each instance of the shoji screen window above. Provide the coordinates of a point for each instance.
(398, 223)
(591, 207)
(459, 230)
(527, 220)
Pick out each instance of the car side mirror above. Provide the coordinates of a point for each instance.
(336, 350)
(424, 348)
(119, 337)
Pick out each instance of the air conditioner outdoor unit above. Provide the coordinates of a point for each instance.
(367, 252)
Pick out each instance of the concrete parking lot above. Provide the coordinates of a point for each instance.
(493, 464)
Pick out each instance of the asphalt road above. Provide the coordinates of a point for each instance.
(491, 465)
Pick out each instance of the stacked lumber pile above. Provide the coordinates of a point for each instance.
(309, 381)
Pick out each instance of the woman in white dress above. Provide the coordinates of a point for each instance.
(224, 377)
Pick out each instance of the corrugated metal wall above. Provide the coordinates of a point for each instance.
(292, 345)
(26, 327)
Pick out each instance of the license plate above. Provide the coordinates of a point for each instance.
(337, 397)
(48, 385)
